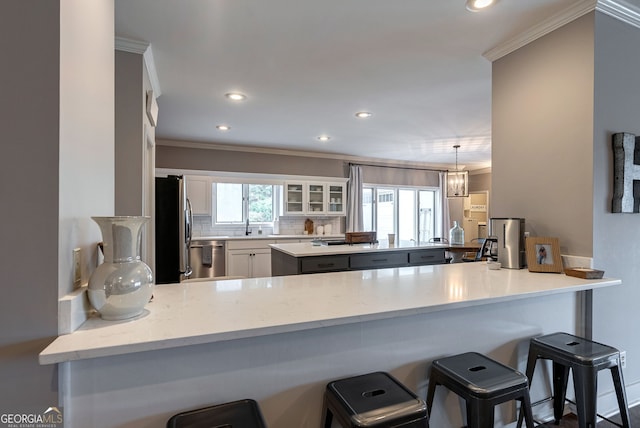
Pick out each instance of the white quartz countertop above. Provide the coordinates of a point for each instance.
(212, 311)
(306, 249)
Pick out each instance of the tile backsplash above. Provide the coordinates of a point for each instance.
(290, 225)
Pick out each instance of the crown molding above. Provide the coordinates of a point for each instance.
(545, 27)
(144, 49)
(618, 9)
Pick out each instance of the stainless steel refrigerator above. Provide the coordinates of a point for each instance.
(173, 225)
(510, 237)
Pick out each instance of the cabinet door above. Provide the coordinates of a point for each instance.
(294, 198)
(260, 263)
(336, 199)
(316, 198)
(249, 263)
(199, 194)
(238, 263)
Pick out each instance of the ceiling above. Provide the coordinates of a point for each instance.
(307, 67)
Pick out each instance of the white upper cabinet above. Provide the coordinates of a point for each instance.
(199, 194)
(337, 198)
(314, 198)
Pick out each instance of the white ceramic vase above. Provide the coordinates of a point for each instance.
(121, 286)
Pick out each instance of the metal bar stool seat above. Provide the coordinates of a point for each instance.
(585, 359)
(483, 383)
(372, 400)
(236, 414)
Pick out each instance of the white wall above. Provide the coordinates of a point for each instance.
(86, 130)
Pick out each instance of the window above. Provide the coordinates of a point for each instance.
(410, 213)
(237, 202)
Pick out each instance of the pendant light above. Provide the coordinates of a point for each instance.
(457, 181)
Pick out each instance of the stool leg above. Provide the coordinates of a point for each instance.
(327, 416)
(618, 382)
(560, 380)
(479, 414)
(531, 365)
(431, 391)
(585, 381)
(525, 410)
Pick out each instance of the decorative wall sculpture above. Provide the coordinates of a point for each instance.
(626, 173)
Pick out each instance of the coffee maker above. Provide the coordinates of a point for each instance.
(509, 233)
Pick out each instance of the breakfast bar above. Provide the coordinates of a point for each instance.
(279, 340)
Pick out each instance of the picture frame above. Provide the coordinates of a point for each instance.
(543, 254)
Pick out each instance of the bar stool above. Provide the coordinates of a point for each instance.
(483, 383)
(585, 358)
(236, 414)
(372, 400)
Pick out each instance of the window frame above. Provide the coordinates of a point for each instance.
(276, 201)
(437, 226)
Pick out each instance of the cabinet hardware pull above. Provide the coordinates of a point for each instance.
(325, 265)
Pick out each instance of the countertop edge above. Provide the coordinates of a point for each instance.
(49, 356)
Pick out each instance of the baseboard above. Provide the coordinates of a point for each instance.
(73, 310)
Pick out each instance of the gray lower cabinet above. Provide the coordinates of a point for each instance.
(285, 264)
(378, 260)
(324, 264)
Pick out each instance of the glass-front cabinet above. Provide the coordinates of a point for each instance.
(314, 198)
(336, 199)
(294, 198)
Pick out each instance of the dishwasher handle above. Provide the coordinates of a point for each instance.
(215, 246)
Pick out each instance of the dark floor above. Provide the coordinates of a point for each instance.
(570, 421)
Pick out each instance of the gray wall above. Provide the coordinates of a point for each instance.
(556, 103)
(241, 161)
(29, 171)
(128, 133)
(542, 133)
(174, 157)
(56, 168)
(615, 236)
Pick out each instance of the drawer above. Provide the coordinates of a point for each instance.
(373, 261)
(426, 257)
(324, 264)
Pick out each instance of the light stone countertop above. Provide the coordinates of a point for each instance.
(214, 311)
(306, 249)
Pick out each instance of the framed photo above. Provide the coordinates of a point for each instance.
(543, 255)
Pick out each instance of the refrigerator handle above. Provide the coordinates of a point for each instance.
(189, 228)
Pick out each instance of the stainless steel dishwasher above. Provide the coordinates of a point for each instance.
(207, 258)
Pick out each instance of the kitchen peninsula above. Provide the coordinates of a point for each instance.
(279, 340)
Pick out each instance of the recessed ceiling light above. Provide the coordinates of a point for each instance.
(235, 96)
(324, 138)
(477, 5)
(223, 127)
(364, 114)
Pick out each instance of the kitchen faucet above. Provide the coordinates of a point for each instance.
(247, 232)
